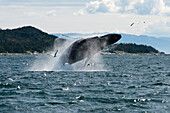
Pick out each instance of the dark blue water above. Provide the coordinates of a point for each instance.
(131, 84)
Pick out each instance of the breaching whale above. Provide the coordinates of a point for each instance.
(87, 48)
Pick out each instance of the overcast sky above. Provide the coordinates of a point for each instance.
(150, 17)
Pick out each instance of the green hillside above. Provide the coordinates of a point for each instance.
(25, 39)
(29, 38)
(131, 48)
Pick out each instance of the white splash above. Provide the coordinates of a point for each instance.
(51, 63)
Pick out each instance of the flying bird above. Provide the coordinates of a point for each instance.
(132, 24)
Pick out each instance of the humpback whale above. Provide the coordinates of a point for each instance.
(87, 48)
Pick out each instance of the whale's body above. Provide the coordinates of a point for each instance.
(87, 48)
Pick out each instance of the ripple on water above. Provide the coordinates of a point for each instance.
(132, 84)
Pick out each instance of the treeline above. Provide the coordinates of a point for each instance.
(131, 48)
(25, 39)
(31, 39)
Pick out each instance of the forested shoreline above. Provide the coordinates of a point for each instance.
(29, 39)
(25, 39)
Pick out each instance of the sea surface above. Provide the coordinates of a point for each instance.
(125, 84)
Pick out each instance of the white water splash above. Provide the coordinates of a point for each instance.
(51, 63)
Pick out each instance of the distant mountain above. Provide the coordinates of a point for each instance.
(29, 38)
(25, 39)
(162, 44)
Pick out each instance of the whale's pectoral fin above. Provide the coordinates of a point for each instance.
(55, 53)
(85, 64)
(88, 58)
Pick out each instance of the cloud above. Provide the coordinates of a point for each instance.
(30, 13)
(140, 7)
(51, 13)
(80, 12)
(103, 6)
(160, 28)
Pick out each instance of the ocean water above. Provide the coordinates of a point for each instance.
(125, 84)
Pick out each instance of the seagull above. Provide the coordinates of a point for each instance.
(132, 24)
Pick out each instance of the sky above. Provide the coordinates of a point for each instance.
(150, 17)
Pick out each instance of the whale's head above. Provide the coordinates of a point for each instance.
(111, 38)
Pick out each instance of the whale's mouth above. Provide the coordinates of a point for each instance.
(112, 38)
(115, 37)
(118, 37)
